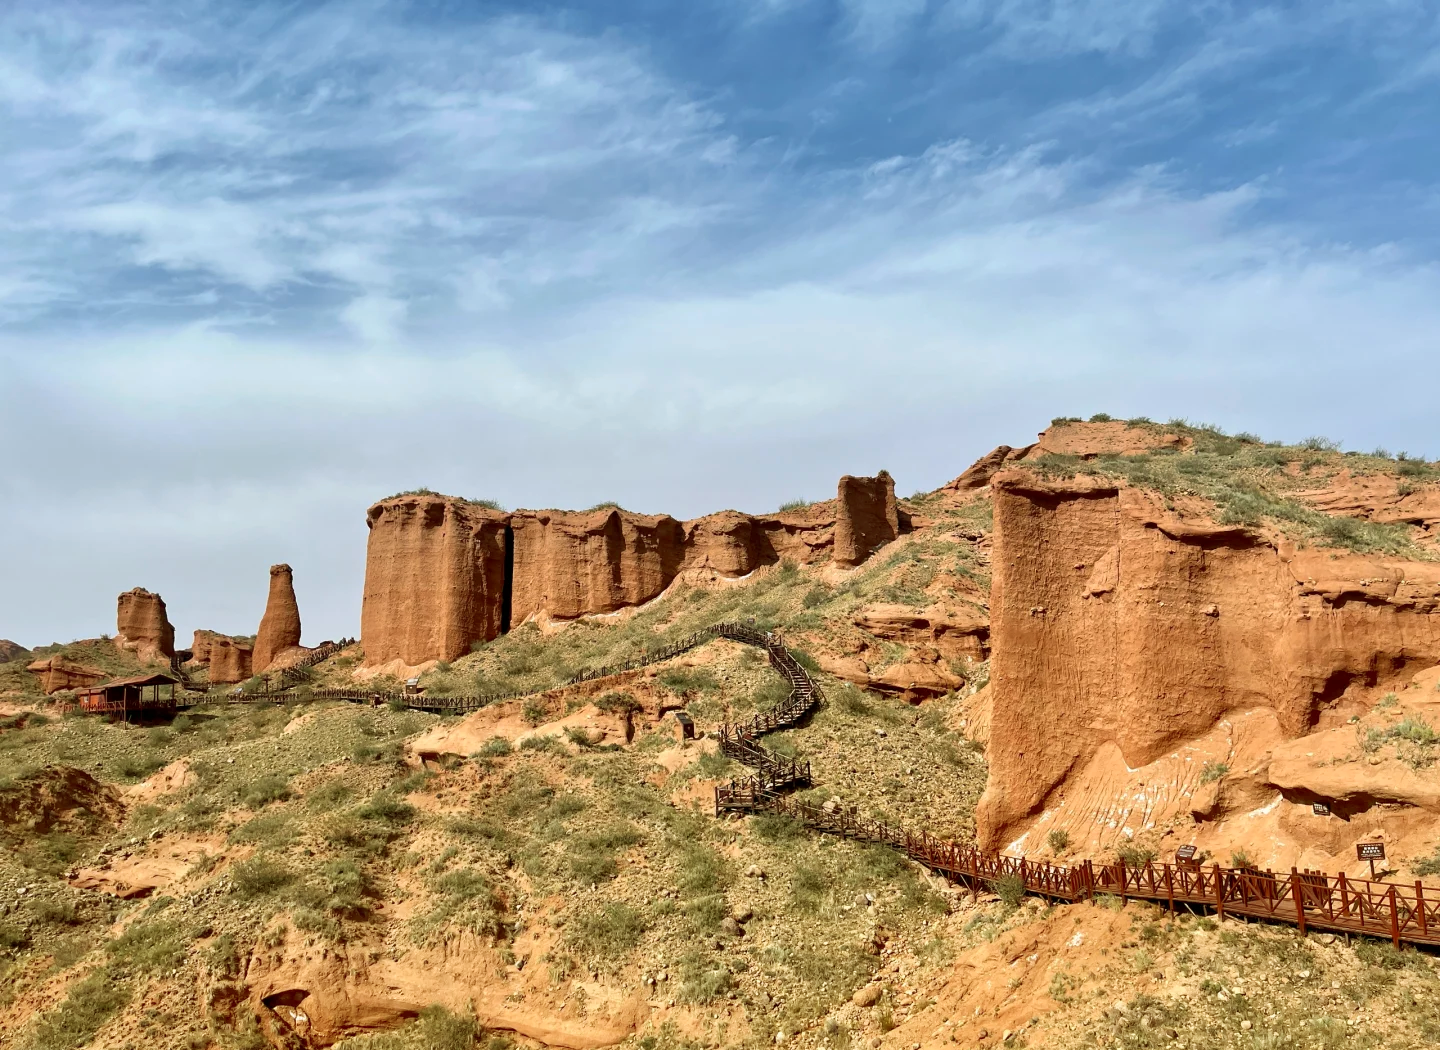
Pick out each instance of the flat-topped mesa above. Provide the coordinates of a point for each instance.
(1120, 631)
(142, 627)
(280, 626)
(866, 517)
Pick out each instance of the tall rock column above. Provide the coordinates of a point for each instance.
(280, 626)
(142, 627)
(866, 517)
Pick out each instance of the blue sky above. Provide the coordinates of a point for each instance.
(262, 264)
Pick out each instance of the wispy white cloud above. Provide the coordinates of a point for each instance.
(255, 260)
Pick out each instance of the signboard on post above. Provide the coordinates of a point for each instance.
(1185, 854)
(1320, 809)
(1371, 851)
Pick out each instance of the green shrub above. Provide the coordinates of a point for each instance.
(387, 807)
(776, 827)
(543, 742)
(617, 703)
(328, 795)
(1058, 840)
(264, 790)
(1413, 730)
(346, 885)
(13, 937)
(808, 885)
(259, 876)
(1134, 856)
(495, 747)
(154, 947)
(1427, 865)
(1010, 889)
(707, 912)
(1213, 771)
(90, 1003)
(609, 931)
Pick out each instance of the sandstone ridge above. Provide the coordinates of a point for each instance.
(442, 573)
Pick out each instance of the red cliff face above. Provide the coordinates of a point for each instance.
(866, 517)
(142, 627)
(570, 563)
(434, 578)
(229, 660)
(442, 573)
(1116, 624)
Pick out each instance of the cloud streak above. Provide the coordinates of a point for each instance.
(262, 268)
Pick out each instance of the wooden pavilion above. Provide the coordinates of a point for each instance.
(121, 696)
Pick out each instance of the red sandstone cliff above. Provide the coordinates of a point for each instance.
(434, 577)
(573, 563)
(229, 660)
(435, 569)
(280, 626)
(142, 627)
(1121, 630)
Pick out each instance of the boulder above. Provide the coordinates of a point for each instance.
(866, 517)
(280, 626)
(142, 627)
(58, 672)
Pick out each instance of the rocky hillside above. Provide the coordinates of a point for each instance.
(1123, 636)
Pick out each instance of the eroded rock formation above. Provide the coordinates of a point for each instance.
(58, 672)
(866, 517)
(280, 626)
(11, 650)
(229, 660)
(442, 573)
(570, 564)
(434, 578)
(142, 627)
(1121, 629)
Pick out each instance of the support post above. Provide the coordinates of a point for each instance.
(1299, 902)
(1169, 889)
(1394, 918)
(1420, 909)
(1219, 893)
